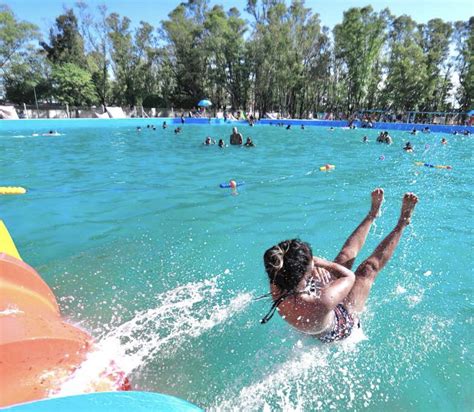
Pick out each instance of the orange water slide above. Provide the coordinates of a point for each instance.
(38, 349)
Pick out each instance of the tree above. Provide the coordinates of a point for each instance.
(289, 55)
(406, 67)
(435, 40)
(94, 31)
(73, 85)
(15, 36)
(135, 60)
(66, 43)
(224, 45)
(358, 42)
(26, 77)
(187, 58)
(464, 41)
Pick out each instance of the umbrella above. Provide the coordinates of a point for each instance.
(204, 103)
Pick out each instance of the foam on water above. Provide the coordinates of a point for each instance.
(180, 315)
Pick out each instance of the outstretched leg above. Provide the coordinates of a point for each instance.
(368, 270)
(355, 241)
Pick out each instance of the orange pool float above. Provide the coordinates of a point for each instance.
(38, 349)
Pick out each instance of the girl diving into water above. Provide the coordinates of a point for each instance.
(324, 298)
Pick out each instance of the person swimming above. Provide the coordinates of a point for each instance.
(50, 133)
(444, 141)
(365, 139)
(209, 141)
(408, 147)
(384, 137)
(236, 138)
(323, 298)
(221, 143)
(249, 142)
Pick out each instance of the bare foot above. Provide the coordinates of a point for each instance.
(377, 199)
(408, 205)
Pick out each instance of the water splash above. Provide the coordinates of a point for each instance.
(180, 316)
(346, 375)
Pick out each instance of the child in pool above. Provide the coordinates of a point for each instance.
(324, 298)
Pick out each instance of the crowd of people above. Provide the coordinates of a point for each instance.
(237, 139)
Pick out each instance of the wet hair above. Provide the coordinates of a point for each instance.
(286, 264)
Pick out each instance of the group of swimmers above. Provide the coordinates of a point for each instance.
(236, 139)
(163, 126)
(465, 133)
(382, 138)
(288, 126)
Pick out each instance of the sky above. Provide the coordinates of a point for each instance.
(44, 12)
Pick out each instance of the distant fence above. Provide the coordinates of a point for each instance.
(55, 111)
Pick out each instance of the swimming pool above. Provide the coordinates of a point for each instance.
(144, 249)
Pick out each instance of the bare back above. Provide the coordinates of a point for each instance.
(303, 312)
(308, 311)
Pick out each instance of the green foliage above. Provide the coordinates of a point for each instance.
(358, 44)
(26, 76)
(66, 43)
(94, 31)
(464, 39)
(135, 60)
(73, 85)
(15, 37)
(407, 70)
(184, 33)
(282, 60)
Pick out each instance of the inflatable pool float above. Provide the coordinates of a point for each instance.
(229, 185)
(109, 401)
(39, 350)
(327, 168)
(12, 190)
(433, 166)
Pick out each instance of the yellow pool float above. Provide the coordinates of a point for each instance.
(12, 190)
(327, 167)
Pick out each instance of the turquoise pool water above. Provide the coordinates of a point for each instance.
(144, 249)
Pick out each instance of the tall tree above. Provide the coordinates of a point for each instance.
(224, 45)
(184, 32)
(435, 41)
(66, 43)
(94, 31)
(358, 42)
(464, 41)
(134, 60)
(15, 36)
(73, 85)
(406, 71)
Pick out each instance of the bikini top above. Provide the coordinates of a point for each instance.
(312, 288)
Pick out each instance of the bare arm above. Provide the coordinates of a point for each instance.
(336, 292)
